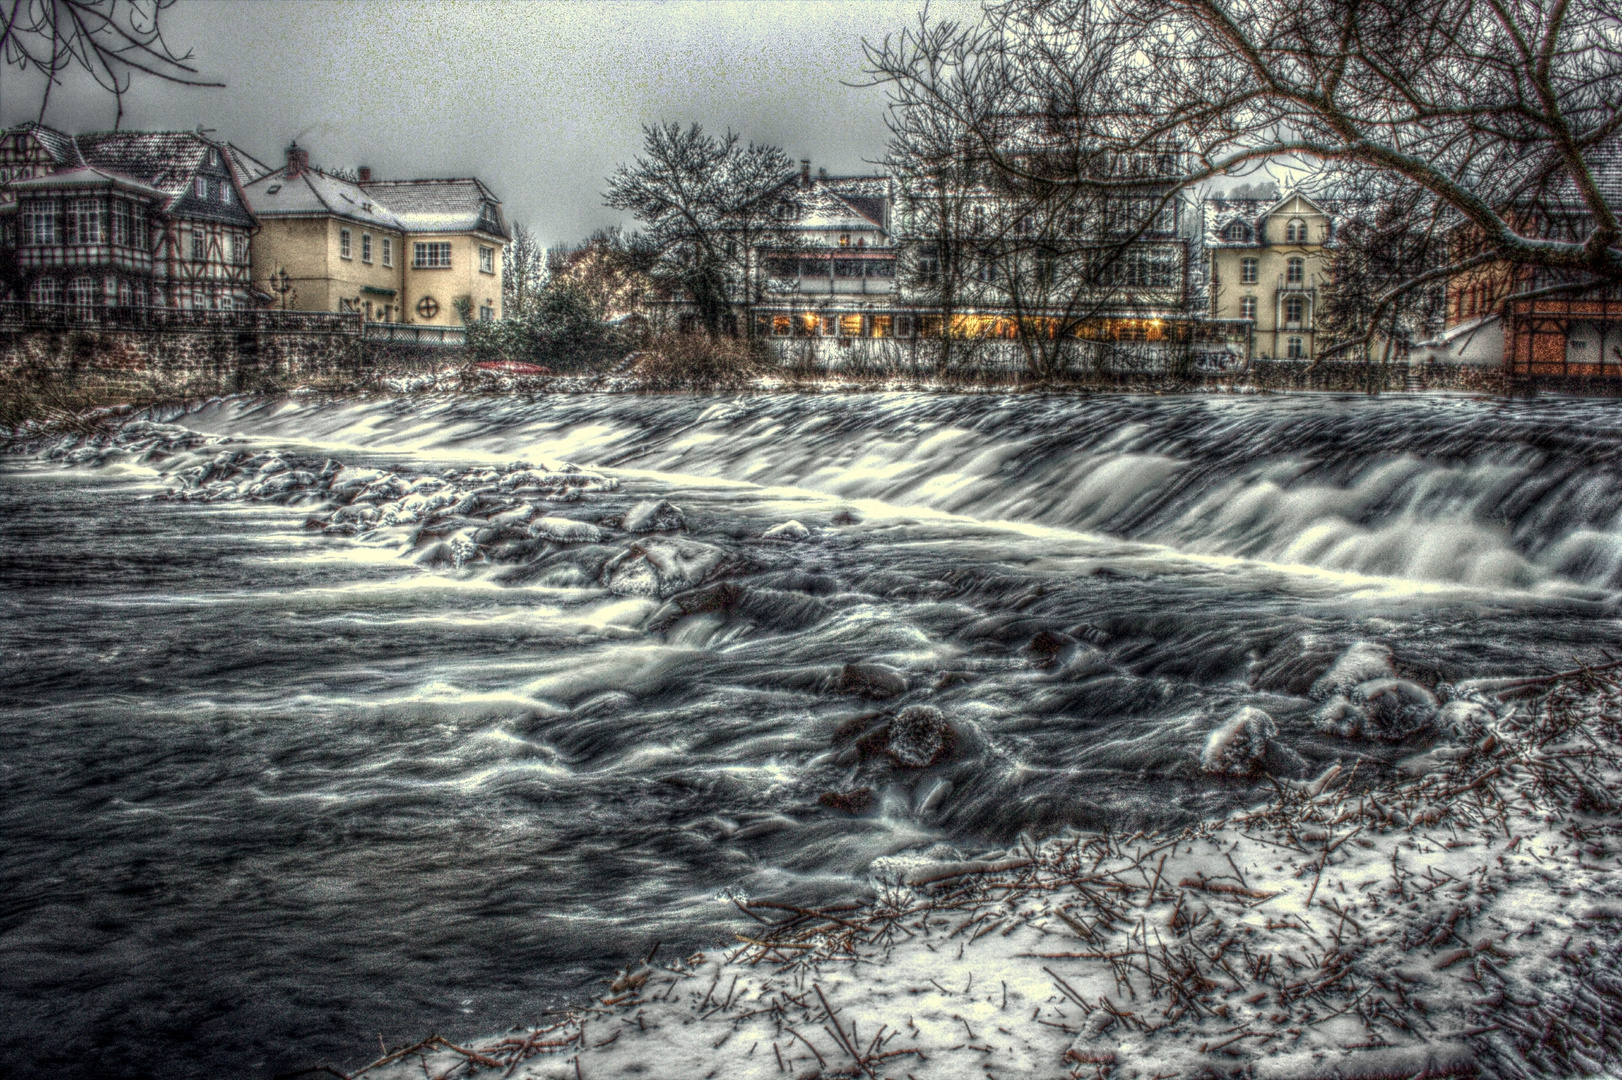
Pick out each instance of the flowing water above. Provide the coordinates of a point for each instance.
(271, 791)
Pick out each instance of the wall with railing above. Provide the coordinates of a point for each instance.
(21, 315)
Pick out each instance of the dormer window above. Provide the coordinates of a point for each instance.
(273, 189)
(1235, 231)
(1295, 232)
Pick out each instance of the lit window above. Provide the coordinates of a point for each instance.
(782, 325)
(1247, 308)
(365, 247)
(1293, 309)
(388, 252)
(487, 260)
(199, 246)
(431, 256)
(1294, 349)
(343, 245)
(850, 326)
(1295, 271)
(1247, 271)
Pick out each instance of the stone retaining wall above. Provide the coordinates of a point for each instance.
(166, 363)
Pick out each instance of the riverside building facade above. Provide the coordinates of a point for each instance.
(426, 252)
(1268, 263)
(123, 219)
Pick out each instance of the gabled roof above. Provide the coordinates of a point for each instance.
(1219, 213)
(61, 147)
(315, 194)
(166, 160)
(1605, 163)
(456, 205)
(823, 211)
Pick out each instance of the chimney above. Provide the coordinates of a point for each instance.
(365, 174)
(805, 172)
(822, 174)
(298, 161)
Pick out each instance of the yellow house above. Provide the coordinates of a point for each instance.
(1269, 261)
(394, 251)
(455, 241)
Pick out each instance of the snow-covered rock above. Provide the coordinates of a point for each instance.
(654, 515)
(565, 530)
(1464, 719)
(1237, 747)
(878, 681)
(660, 567)
(1394, 709)
(1361, 662)
(789, 530)
(919, 736)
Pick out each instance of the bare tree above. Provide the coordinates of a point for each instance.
(611, 269)
(1481, 114)
(109, 40)
(989, 172)
(523, 272)
(709, 206)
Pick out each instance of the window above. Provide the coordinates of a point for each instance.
(85, 222)
(487, 260)
(1247, 308)
(782, 325)
(239, 248)
(199, 246)
(1295, 232)
(903, 326)
(121, 223)
(365, 247)
(139, 239)
(433, 256)
(39, 223)
(1235, 231)
(126, 295)
(1247, 271)
(929, 265)
(1295, 271)
(227, 194)
(83, 292)
(847, 268)
(44, 291)
(199, 187)
(850, 326)
(1294, 350)
(830, 325)
(814, 268)
(388, 252)
(883, 326)
(844, 239)
(1294, 307)
(487, 313)
(881, 268)
(344, 251)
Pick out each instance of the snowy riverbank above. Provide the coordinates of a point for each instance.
(1459, 922)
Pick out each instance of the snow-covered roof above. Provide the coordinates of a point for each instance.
(314, 193)
(248, 167)
(454, 205)
(1220, 213)
(86, 177)
(1605, 164)
(166, 160)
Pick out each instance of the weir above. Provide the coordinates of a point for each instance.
(423, 715)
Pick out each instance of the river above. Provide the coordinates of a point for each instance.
(278, 783)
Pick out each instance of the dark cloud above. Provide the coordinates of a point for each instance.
(539, 99)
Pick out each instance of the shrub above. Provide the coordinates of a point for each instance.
(698, 361)
(560, 329)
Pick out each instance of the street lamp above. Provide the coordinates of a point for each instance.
(280, 283)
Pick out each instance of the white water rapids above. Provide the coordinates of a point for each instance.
(281, 776)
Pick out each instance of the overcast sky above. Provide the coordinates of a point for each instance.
(539, 100)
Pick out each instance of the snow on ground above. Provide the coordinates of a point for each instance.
(1460, 922)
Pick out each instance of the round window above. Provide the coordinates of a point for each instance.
(428, 307)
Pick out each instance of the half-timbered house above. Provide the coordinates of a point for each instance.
(122, 219)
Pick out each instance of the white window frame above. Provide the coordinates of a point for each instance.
(388, 251)
(1295, 349)
(431, 255)
(345, 245)
(487, 260)
(199, 246)
(1249, 270)
(1295, 271)
(1247, 308)
(366, 248)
